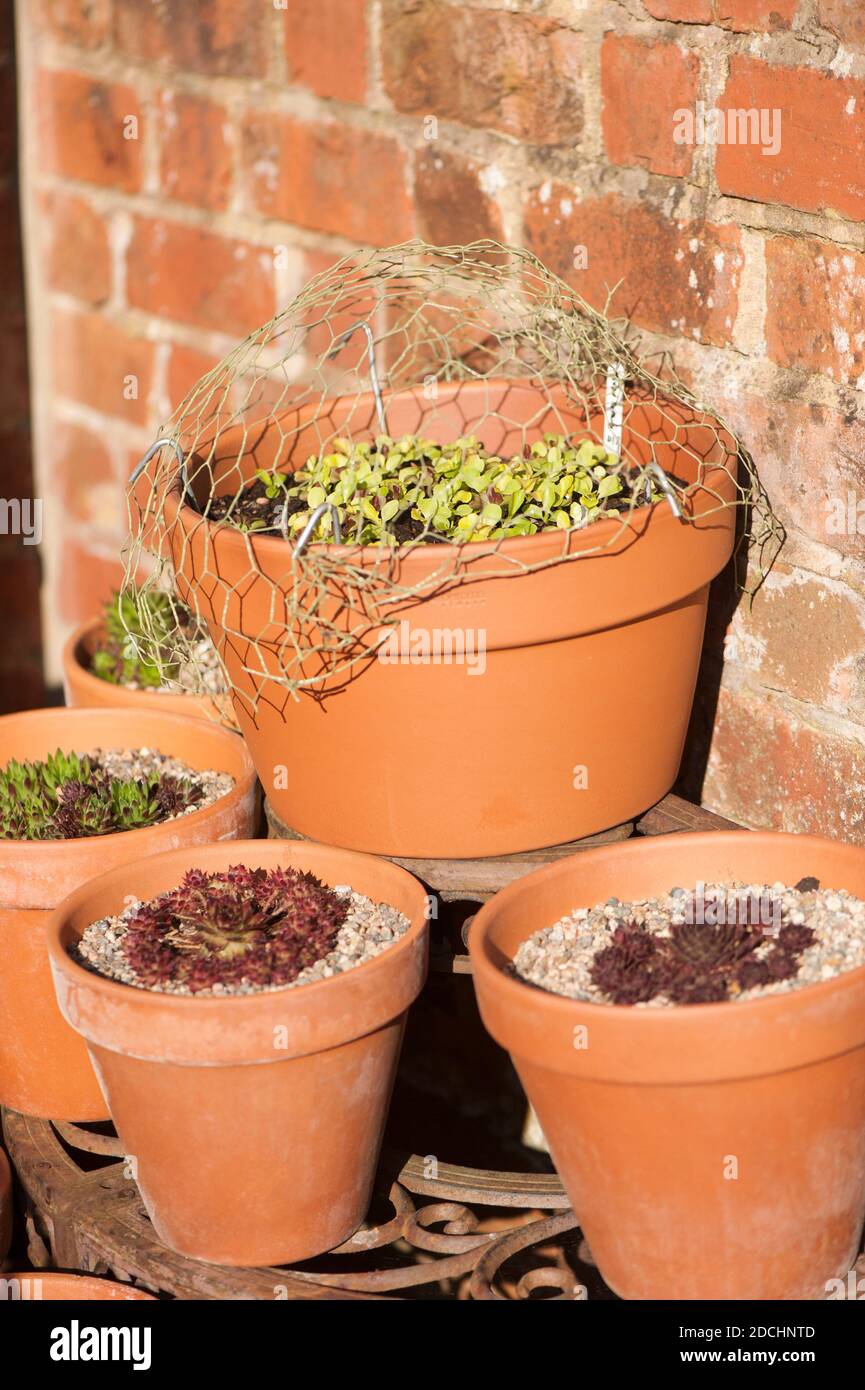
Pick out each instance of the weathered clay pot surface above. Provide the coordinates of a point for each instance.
(255, 1120)
(649, 1110)
(44, 1068)
(49, 1286)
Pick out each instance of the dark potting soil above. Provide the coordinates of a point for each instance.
(252, 510)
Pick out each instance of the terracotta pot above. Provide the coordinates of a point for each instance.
(649, 1112)
(564, 645)
(5, 1206)
(255, 1120)
(42, 1285)
(81, 689)
(44, 1069)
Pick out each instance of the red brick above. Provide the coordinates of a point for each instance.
(642, 85)
(516, 73)
(742, 16)
(328, 177)
(684, 11)
(82, 22)
(792, 605)
(326, 47)
(83, 477)
(814, 297)
(810, 460)
(678, 277)
(223, 37)
(76, 247)
(196, 155)
(92, 359)
(774, 771)
(81, 126)
(819, 165)
(756, 16)
(322, 335)
(184, 273)
(846, 18)
(451, 203)
(186, 367)
(87, 578)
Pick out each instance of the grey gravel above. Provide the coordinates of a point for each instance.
(559, 958)
(369, 929)
(132, 763)
(200, 673)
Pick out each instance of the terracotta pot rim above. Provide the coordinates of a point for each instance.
(71, 655)
(72, 662)
(42, 848)
(59, 1277)
(58, 932)
(717, 476)
(627, 1015)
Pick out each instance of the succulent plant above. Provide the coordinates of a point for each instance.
(238, 925)
(135, 623)
(698, 963)
(628, 969)
(394, 491)
(69, 797)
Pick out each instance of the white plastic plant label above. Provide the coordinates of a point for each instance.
(614, 408)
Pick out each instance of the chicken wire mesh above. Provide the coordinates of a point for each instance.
(357, 388)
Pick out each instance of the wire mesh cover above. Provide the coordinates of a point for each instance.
(474, 340)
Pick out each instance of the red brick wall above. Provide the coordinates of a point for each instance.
(273, 136)
(21, 684)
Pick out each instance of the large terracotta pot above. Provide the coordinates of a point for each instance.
(588, 664)
(255, 1120)
(83, 690)
(38, 1285)
(44, 1069)
(709, 1150)
(5, 1206)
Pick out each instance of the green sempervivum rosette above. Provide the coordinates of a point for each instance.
(68, 797)
(129, 618)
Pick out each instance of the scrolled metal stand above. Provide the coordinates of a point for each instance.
(84, 1212)
(449, 1231)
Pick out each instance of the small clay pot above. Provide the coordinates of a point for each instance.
(44, 1068)
(83, 690)
(39, 1285)
(710, 1151)
(255, 1120)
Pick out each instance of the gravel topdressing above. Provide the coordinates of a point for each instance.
(131, 763)
(560, 958)
(368, 930)
(200, 674)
